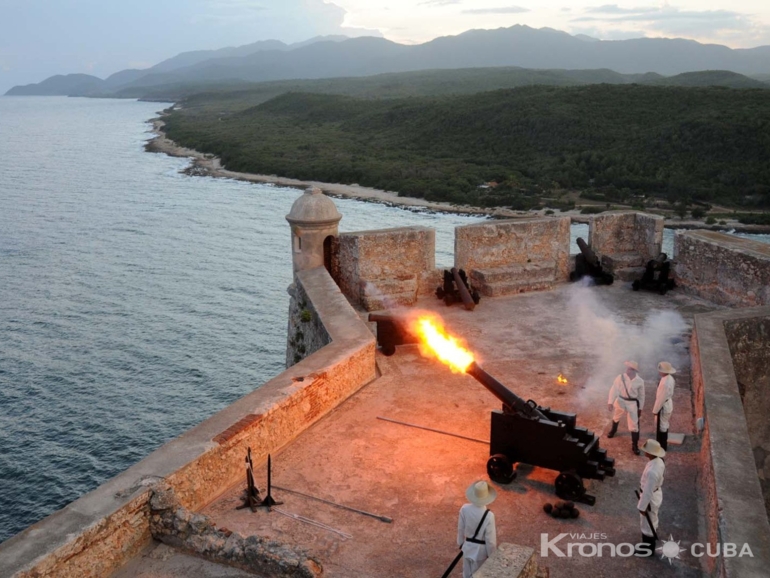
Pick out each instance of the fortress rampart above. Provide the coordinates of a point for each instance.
(331, 354)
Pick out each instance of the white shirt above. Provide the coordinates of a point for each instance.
(470, 516)
(652, 481)
(665, 392)
(624, 386)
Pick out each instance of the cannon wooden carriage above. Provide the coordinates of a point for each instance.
(524, 432)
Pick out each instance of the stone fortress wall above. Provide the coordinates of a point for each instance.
(331, 354)
(723, 268)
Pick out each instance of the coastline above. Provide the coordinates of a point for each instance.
(208, 165)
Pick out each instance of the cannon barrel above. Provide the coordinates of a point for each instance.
(588, 253)
(465, 295)
(504, 394)
(387, 317)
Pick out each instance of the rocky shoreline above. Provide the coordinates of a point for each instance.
(208, 165)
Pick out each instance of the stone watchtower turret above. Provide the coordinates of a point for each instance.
(314, 221)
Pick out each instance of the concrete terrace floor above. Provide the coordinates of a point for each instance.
(418, 478)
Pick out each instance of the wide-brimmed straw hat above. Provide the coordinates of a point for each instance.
(665, 367)
(653, 448)
(631, 365)
(480, 493)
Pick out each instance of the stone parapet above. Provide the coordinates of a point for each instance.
(512, 256)
(734, 504)
(197, 534)
(722, 268)
(388, 267)
(625, 239)
(99, 532)
(509, 561)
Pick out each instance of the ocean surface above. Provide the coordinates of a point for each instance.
(135, 301)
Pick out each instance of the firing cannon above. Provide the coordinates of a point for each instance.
(528, 433)
(456, 288)
(392, 330)
(657, 276)
(587, 264)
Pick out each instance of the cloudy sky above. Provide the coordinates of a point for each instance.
(39, 38)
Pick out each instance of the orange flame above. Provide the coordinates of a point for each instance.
(562, 380)
(442, 345)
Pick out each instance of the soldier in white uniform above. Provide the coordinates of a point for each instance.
(477, 537)
(627, 397)
(651, 492)
(664, 403)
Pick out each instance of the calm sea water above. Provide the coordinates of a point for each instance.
(134, 301)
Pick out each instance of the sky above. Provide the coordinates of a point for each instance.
(40, 38)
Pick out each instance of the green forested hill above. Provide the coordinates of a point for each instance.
(708, 144)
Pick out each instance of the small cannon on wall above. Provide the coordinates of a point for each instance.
(528, 433)
(657, 276)
(456, 288)
(587, 264)
(391, 331)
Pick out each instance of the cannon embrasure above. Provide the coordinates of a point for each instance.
(657, 276)
(525, 432)
(588, 264)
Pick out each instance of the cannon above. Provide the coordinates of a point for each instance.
(392, 330)
(527, 433)
(657, 276)
(587, 264)
(456, 288)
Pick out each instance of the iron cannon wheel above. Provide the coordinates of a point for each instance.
(388, 350)
(569, 486)
(500, 469)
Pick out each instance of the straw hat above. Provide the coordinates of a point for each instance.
(480, 494)
(665, 367)
(653, 448)
(631, 365)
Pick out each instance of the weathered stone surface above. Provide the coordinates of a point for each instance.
(722, 268)
(504, 257)
(197, 534)
(163, 498)
(509, 561)
(387, 268)
(732, 493)
(306, 333)
(625, 238)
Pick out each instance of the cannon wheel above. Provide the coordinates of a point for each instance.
(388, 349)
(569, 486)
(500, 469)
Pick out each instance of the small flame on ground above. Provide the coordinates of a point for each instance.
(562, 380)
(442, 345)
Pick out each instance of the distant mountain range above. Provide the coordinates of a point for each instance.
(331, 57)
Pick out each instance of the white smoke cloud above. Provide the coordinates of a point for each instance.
(613, 340)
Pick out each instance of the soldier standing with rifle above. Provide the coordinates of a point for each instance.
(664, 404)
(627, 397)
(651, 496)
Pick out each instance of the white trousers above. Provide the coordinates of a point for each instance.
(664, 416)
(470, 566)
(655, 502)
(629, 408)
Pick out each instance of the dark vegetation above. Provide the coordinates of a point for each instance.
(425, 83)
(518, 148)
